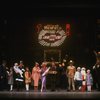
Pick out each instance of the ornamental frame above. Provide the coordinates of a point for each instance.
(52, 51)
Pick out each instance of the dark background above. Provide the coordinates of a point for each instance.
(18, 37)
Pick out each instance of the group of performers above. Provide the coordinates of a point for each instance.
(77, 78)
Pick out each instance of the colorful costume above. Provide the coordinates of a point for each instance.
(19, 79)
(43, 78)
(83, 79)
(27, 79)
(70, 73)
(17, 70)
(36, 76)
(89, 81)
(10, 79)
(78, 78)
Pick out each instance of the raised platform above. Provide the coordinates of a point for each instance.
(49, 95)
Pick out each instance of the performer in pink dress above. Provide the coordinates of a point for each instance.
(36, 76)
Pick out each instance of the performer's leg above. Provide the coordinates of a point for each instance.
(17, 85)
(21, 73)
(42, 84)
(27, 87)
(21, 85)
(11, 87)
(89, 88)
(76, 84)
(73, 84)
(83, 86)
(80, 85)
(52, 82)
(69, 83)
(1, 85)
(98, 86)
(35, 88)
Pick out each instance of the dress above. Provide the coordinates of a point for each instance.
(10, 78)
(43, 78)
(36, 75)
(89, 80)
(27, 77)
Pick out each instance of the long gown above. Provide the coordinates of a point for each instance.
(36, 75)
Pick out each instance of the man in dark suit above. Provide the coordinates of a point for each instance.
(3, 76)
(96, 74)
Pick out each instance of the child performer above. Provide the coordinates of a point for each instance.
(83, 71)
(27, 78)
(89, 80)
(10, 78)
(78, 78)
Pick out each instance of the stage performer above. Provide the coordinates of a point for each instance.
(60, 77)
(10, 78)
(36, 76)
(53, 75)
(89, 81)
(3, 76)
(83, 72)
(64, 77)
(17, 69)
(96, 70)
(70, 74)
(78, 79)
(97, 54)
(27, 78)
(19, 78)
(44, 71)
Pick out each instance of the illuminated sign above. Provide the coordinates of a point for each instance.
(51, 35)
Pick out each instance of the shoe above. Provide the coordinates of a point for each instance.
(22, 76)
(79, 88)
(41, 90)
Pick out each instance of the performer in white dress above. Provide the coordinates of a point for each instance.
(17, 70)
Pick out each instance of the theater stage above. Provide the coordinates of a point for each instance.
(49, 95)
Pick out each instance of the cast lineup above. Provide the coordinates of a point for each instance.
(76, 78)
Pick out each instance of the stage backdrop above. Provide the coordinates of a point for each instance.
(38, 38)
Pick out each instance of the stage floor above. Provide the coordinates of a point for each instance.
(48, 95)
